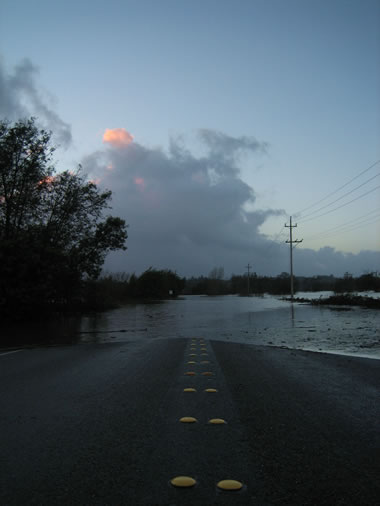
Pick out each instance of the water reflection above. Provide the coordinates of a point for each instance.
(257, 320)
(292, 313)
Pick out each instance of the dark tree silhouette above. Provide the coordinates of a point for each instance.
(53, 228)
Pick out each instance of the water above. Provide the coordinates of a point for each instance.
(265, 320)
(257, 320)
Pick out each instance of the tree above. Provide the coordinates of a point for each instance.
(158, 284)
(215, 283)
(53, 227)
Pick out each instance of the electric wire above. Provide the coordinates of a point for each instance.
(365, 223)
(281, 232)
(274, 241)
(335, 191)
(339, 198)
(360, 225)
(342, 225)
(342, 205)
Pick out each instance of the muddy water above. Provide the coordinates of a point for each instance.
(257, 320)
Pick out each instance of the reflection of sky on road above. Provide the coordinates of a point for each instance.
(256, 320)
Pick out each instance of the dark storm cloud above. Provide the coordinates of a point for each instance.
(185, 212)
(189, 213)
(223, 152)
(327, 260)
(20, 98)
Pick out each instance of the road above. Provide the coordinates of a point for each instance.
(99, 424)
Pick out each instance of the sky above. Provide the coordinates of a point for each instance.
(212, 122)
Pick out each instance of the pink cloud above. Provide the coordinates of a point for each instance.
(95, 181)
(117, 137)
(139, 181)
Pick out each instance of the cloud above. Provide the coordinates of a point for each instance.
(117, 137)
(20, 98)
(223, 146)
(185, 212)
(189, 213)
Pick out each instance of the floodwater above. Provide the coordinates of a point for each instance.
(266, 320)
(257, 320)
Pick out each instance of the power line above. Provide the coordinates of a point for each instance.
(344, 225)
(340, 198)
(274, 241)
(355, 227)
(338, 189)
(342, 205)
(278, 234)
(359, 225)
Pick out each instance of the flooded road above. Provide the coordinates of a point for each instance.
(248, 320)
(101, 422)
(266, 320)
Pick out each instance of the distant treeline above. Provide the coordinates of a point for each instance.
(112, 290)
(115, 289)
(279, 285)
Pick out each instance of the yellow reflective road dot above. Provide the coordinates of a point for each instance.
(192, 354)
(205, 362)
(230, 485)
(207, 373)
(191, 362)
(204, 354)
(211, 390)
(188, 419)
(183, 481)
(189, 390)
(190, 373)
(217, 421)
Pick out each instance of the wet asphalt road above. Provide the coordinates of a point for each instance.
(99, 424)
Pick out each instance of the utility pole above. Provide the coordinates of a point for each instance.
(248, 267)
(291, 241)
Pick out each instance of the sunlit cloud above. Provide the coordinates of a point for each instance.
(117, 137)
(95, 181)
(139, 181)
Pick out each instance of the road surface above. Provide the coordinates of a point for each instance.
(99, 424)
